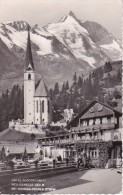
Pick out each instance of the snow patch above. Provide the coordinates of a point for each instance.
(90, 60)
(114, 46)
(41, 31)
(19, 39)
(10, 22)
(43, 44)
(6, 41)
(10, 28)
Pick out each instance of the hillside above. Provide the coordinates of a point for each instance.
(103, 83)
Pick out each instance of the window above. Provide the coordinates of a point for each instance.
(37, 105)
(43, 106)
(109, 119)
(91, 110)
(29, 76)
(48, 106)
(104, 120)
(94, 122)
(97, 121)
(100, 108)
(87, 122)
(100, 120)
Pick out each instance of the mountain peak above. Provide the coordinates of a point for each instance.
(71, 14)
(18, 25)
(68, 16)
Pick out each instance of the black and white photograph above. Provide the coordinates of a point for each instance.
(61, 97)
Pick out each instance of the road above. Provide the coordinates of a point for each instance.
(95, 181)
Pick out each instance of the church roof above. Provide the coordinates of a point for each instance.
(41, 90)
(29, 59)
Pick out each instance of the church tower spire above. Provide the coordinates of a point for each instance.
(29, 85)
(29, 59)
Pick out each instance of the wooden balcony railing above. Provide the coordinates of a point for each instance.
(96, 127)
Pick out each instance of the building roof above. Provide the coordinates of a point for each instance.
(13, 135)
(19, 147)
(29, 59)
(75, 120)
(41, 90)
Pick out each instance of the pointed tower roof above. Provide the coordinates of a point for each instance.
(29, 59)
(41, 90)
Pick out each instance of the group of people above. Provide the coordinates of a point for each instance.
(59, 159)
(84, 161)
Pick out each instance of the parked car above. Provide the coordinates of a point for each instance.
(21, 164)
(31, 160)
(43, 163)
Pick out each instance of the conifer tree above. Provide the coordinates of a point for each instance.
(79, 83)
(63, 88)
(56, 89)
(74, 78)
(119, 76)
(107, 67)
(67, 85)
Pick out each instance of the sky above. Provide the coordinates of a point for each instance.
(106, 12)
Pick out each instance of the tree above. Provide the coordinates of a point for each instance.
(63, 88)
(56, 89)
(74, 78)
(24, 157)
(79, 83)
(117, 94)
(107, 67)
(119, 76)
(51, 94)
(67, 85)
(3, 154)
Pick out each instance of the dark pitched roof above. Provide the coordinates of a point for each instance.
(41, 90)
(29, 59)
(13, 135)
(88, 107)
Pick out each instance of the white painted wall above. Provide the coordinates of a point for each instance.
(41, 117)
(29, 91)
(108, 135)
(57, 152)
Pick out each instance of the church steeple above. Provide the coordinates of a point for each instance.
(29, 59)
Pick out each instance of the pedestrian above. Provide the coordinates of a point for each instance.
(60, 158)
(11, 164)
(36, 163)
(84, 159)
(67, 161)
(54, 163)
(78, 162)
(89, 162)
(119, 162)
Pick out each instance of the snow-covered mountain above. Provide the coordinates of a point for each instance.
(59, 49)
(104, 39)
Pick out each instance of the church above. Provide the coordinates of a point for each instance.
(37, 103)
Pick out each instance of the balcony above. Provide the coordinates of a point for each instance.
(96, 127)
